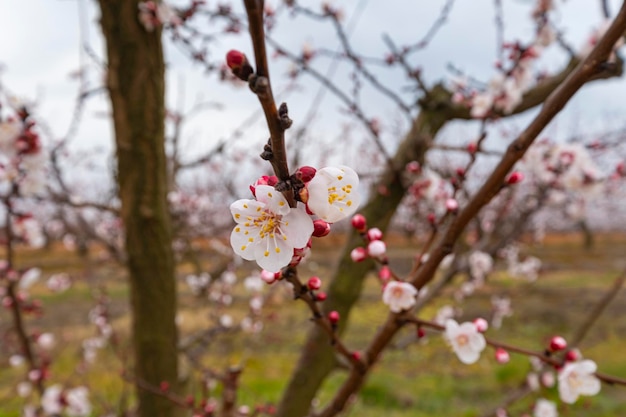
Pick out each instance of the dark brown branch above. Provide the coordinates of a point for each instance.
(260, 84)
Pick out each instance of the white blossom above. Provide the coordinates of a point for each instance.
(399, 296)
(480, 264)
(545, 408)
(268, 230)
(481, 104)
(333, 193)
(51, 400)
(77, 400)
(465, 340)
(29, 278)
(577, 378)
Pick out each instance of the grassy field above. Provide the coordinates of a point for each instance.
(423, 380)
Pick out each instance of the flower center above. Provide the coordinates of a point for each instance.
(462, 340)
(573, 380)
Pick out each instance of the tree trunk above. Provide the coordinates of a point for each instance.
(136, 86)
(317, 360)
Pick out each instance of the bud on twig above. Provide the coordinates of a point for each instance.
(238, 64)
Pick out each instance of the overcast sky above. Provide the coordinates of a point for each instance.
(41, 47)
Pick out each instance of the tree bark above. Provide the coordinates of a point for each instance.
(318, 360)
(135, 80)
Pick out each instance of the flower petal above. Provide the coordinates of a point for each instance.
(274, 200)
(243, 244)
(246, 210)
(297, 227)
(273, 254)
(333, 193)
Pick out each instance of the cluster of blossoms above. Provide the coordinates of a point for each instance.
(153, 14)
(527, 269)
(276, 235)
(505, 90)
(22, 158)
(561, 165)
(428, 189)
(73, 402)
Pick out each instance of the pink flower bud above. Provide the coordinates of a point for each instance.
(320, 228)
(452, 205)
(239, 65)
(356, 355)
(376, 248)
(421, 332)
(431, 218)
(472, 147)
(305, 173)
(572, 355)
(413, 167)
(502, 356)
(269, 277)
(164, 386)
(333, 317)
(358, 254)
(515, 177)
(320, 296)
(557, 343)
(314, 283)
(374, 234)
(359, 222)
(384, 273)
(481, 324)
(235, 59)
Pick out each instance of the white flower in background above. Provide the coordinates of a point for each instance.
(29, 410)
(77, 400)
(501, 308)
(29, 278)
(167, 15)
(226, 321)
(9, 131)
(444, 314)
(268, 230)
(333, 193)
(46, 341)
(577, 378)
(481, 104)
(197, 283)
(16, 360)
(545, 408)
(59, 282)
(480, 264)
(399, 296)
(51, 400)
(28, 229)
(546, 36)
(465, 340)
(254, 283)
(24, 389)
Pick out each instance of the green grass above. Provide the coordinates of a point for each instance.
(423, 380)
